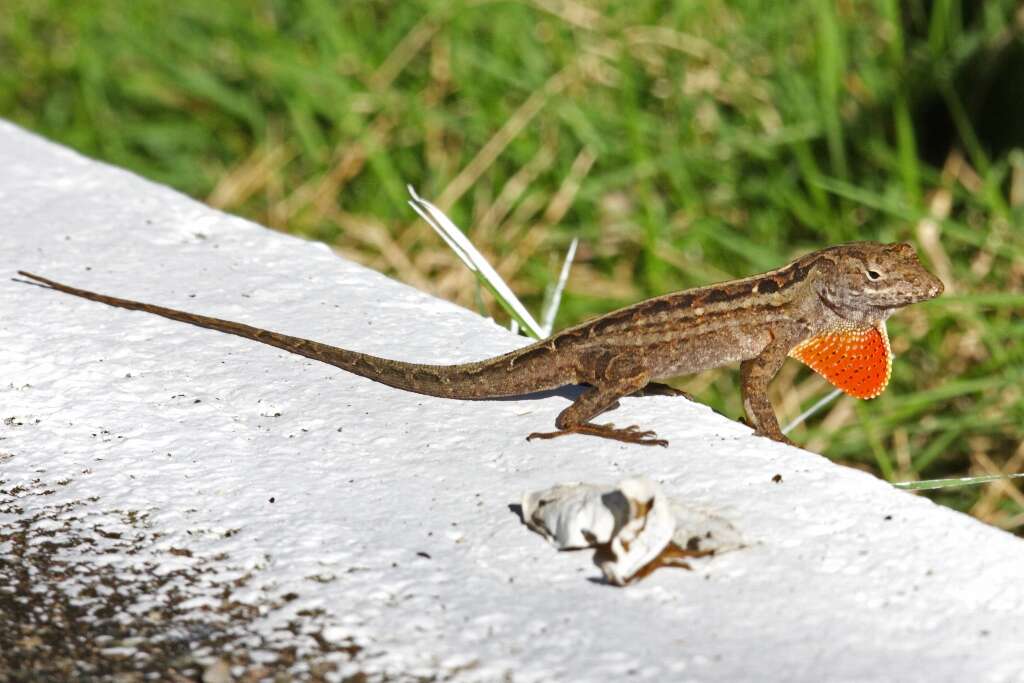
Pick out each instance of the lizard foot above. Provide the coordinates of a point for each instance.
(630, 434)
(779, 436)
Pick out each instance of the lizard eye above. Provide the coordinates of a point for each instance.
(873, 274)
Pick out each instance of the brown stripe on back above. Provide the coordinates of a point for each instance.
(770, 283)
(650, 313)
(646, 327)
(664, 305)
(718, 294)
(653, 307)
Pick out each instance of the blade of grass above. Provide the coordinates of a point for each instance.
(932, 484)
(869, 427)
(935, 447)
(555, 300)
(821, 403)
(831, 68)
(476, 263)
(906, 143)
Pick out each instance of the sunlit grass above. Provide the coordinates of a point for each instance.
(681, 143)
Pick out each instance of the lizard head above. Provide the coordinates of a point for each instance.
(867, 281)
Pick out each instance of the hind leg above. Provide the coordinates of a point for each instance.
(595, 400)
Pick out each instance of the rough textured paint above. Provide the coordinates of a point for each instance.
(143, 454)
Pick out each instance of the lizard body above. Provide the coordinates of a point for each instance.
(827, 308)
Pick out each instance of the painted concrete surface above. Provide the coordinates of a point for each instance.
(176, 498)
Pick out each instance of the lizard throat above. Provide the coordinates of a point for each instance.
(858, 316)
(831, 306)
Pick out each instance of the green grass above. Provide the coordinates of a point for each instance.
(682, 142)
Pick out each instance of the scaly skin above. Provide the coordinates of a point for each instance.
(756, 322)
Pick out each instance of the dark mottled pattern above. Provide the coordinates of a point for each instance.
(703, 301)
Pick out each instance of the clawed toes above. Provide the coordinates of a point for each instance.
(634, 430)
(630, 434)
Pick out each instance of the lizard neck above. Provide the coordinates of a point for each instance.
(835, 314)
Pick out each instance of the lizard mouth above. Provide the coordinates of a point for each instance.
(910, 299)
(888, 308)
(883, 309)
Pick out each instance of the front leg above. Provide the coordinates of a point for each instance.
(755, 374)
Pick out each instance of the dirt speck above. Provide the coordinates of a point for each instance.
(84, 596)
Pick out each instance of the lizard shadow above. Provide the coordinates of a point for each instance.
(569, 391)
(29, 282)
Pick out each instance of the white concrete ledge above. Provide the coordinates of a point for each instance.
(265, 510)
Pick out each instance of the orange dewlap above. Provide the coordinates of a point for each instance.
(856, 360)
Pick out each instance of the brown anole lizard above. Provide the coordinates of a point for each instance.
(827, 309)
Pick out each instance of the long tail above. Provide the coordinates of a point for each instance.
(490, 378)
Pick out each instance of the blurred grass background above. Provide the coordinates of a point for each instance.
(683, 142)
